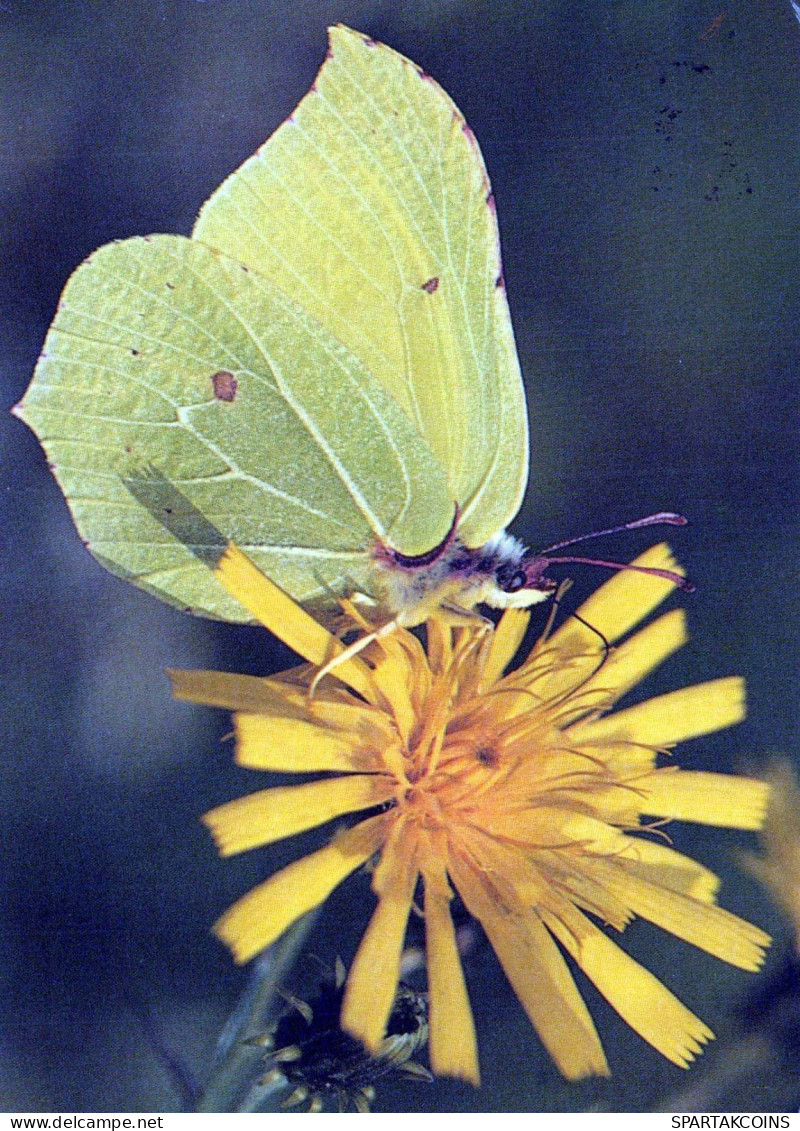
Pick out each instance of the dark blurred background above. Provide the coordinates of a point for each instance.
(645, 158)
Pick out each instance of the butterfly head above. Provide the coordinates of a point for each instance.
(518, 578)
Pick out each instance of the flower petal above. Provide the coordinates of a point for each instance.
(281, 615)
(557, 827)
(627, 597)
(373, 978)
(580, 877)
(572, 875)
(439, 636)
(707, 798)
(625, 760)
(687, 713)
(538, 974)
(670, 869)
(395, 675)
(295, 745)
(636, 994)
(630, 662)
(578, 659)
(710, 928)
(453, 1044)
(259, 917)
(505, 642)
(621, 602)
(272, 814)
(231, 691)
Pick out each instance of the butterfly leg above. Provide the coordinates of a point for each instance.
(457, 616)
(353, 650)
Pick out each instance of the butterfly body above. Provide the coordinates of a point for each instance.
(501, 574)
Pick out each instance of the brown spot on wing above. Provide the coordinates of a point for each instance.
(431, 285)
(225, 386)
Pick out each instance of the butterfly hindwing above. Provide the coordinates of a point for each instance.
(184, 401)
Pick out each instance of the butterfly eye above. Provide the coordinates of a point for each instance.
(511, 580)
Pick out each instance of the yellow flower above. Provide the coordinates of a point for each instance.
(519, 791)
(778, 868)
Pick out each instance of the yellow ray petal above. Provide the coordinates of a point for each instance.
(550, 826)
(373, 978)
(232, 692)
(259, 917)
(551, 674)
(395, 679)
(620, 603)
(589, 883)
(779, 866)
(616, 804)
(636, 994)
(711, 928)
(538, 974)
(346, 713)
(272, 814)
(686, 713)
(296, 746)
(707, 798)
(602, 678)
(630, 662)
(505, 642)
(453, 1044)
(577, 652)
(439, 637)
(572, 873)
(670, 869)
(281, 615)
(625, 760)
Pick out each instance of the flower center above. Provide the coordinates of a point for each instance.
(423, 804)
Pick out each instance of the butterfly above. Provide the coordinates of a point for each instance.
(325, 373)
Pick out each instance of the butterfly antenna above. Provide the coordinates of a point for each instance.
(667, 574)
(662, 518)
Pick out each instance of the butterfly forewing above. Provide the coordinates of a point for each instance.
(372, 208)
(184, 401)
